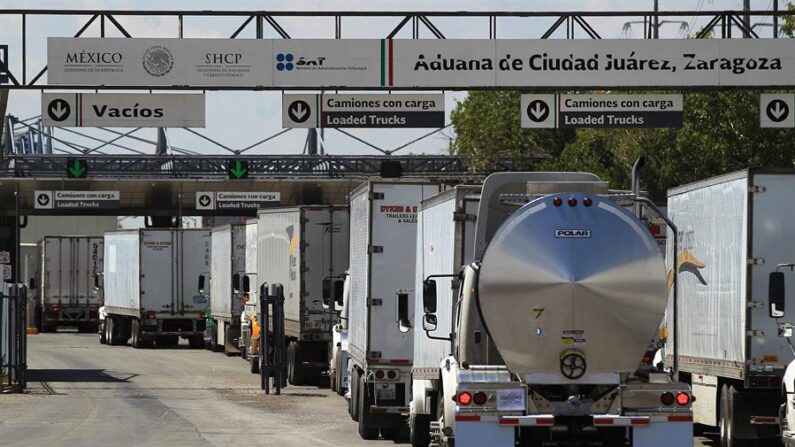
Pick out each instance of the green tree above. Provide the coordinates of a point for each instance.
(488, 127)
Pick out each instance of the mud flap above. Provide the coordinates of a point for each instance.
(748, 404)
(479, 434)
(662, 434)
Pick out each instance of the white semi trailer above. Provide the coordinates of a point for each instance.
(552, 320)
(227, 284)
(66, 292)
(249, 328)
(150, 286)
(302, 248)
(383, 254)
(732, 342)
(445, 244)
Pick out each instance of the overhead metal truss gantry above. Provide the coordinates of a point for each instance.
(261, 166)
(576, 24)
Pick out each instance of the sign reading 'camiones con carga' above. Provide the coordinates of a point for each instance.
(421, 64)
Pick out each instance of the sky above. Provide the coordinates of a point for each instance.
(240, 119)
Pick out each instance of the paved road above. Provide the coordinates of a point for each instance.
(86, 394)
(82, 393)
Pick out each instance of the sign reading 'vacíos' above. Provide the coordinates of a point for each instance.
(355, 110)
(572, 111)
(122, 110)
(421, 63)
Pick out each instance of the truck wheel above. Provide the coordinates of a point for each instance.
(332, 379)
(353, 403)
(420, 430)
(727, 435)
(366, 431)
(103, 336)
(135, 339)
(294, 370)
(110, 326)
(339, 375)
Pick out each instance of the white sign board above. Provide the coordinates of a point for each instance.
(606, 111)
(5, 270)
(80, 200)
(122, 110)
(777, 110)
(237, 200)
(363, 110)
(159, 62)
(422, 63)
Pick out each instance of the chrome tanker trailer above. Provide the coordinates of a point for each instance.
(552, 322)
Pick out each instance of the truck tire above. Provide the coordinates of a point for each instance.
(366, 431)
(420, 430)
(135, 335)
(103, 335)
(339, 374)
(353, 403)
(727, 434)
(295, 373)
(332, 379)
(214, 337)
(113, 333)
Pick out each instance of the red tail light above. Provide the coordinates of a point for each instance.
(667, 399)
(55, 308)
(557, 201)
(480, 398)
(391, 374)
(151, 315)
(587, 201)
(572, 201)
(379, 374)
(465, 398)
(682, 398)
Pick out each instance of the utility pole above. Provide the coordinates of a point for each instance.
(746, 19)
(775, 19)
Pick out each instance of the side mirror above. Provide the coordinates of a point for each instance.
(201, 283)
(429, 296)
(236, 283)
(246, 284)
(32, 283)
(327, 292)
(429, 322)
(404, 325)
(339, 291)
(776, 296)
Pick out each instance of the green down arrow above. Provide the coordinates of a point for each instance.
(77, 169)
(238, 171)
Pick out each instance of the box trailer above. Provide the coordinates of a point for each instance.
(382, 270)
(249, 328)
(445, 244)
(302, 248)
(66, 291)
(733, 232)
(150, 286)
(227, 273)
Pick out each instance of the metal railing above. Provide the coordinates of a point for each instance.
(13, 342)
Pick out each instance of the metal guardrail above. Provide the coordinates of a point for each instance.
(261, 166)
(13, 341)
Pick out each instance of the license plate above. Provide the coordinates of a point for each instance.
(385, 391)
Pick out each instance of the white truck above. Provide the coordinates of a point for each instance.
(249, 328)
(731, 343)
(301, 248)
(383, 255)
(66, 292)
(445, 244)
(150, 286)
(338, 364)
(551, 322)
(227, 283)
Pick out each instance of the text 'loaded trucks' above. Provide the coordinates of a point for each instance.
(566, 290)
(150, 285)
(66, 271)
(303, 248)
(383, 254)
